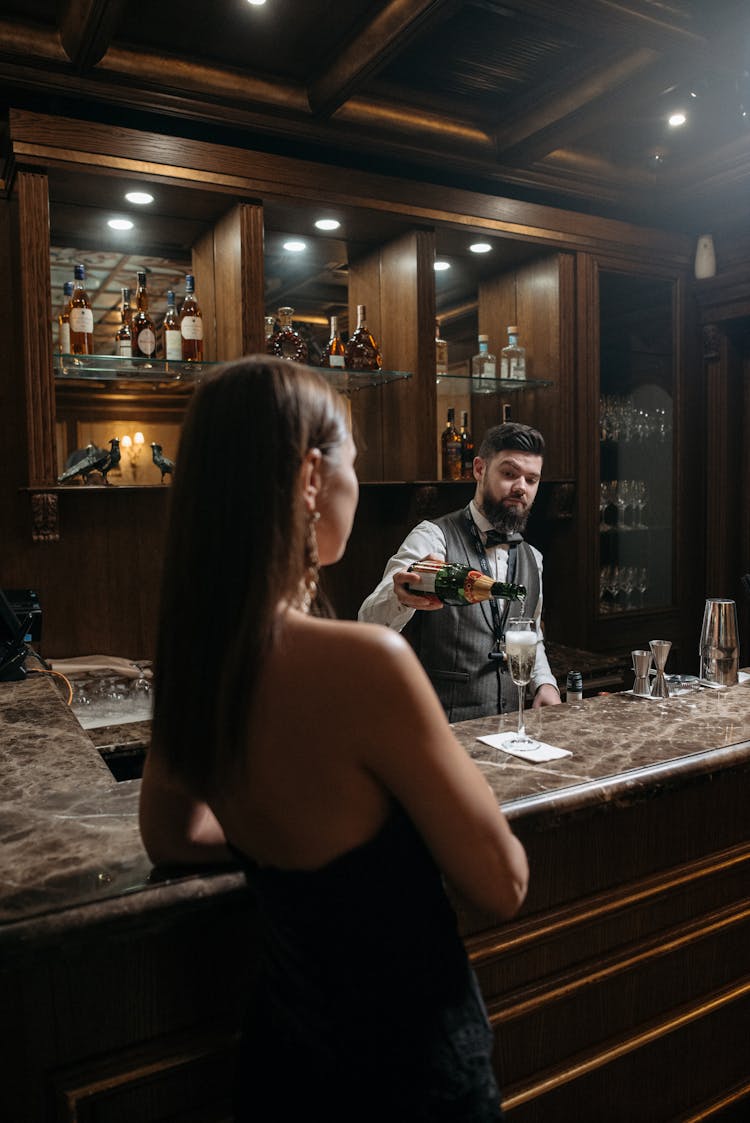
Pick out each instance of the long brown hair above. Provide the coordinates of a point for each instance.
(235, 548)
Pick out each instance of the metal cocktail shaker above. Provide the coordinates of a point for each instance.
(719, 643)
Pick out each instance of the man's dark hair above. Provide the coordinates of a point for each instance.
(511, 434)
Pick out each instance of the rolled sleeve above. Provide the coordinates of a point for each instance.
(383, 606)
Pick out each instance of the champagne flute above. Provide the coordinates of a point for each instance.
(520, 647)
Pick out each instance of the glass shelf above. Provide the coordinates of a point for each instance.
(119, 368)
(494, 385)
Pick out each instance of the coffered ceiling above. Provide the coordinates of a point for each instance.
(565, 102)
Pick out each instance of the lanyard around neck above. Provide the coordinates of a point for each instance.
(498, 622)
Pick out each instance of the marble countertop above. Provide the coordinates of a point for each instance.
(70, 851)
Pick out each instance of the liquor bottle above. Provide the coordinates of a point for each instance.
(459, 585)
(467, 448)
(124, 334)
(191, 324)
(513, 357)
(63, 320)
(333, 352)
(172, 332)
(483, 364)
(81, 317)
(451, 448)
(285, 341)
(142, 326)
(362, 352)
(441, 352)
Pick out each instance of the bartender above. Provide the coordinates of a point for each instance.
(462, 648)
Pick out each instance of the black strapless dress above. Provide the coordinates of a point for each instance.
(366, 1008)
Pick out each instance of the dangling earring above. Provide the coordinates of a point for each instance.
(312, 563)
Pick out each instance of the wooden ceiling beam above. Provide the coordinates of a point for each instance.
(388, 33)
(87, 28)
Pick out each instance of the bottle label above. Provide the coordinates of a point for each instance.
(125, 348)
(82, 320)
(147, 343)
(65, 338)
(336, 361)
(192, 327)
(173, 345)
(488, 370)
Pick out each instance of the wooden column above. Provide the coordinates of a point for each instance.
(229, 264)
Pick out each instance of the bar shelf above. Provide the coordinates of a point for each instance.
(495, 385)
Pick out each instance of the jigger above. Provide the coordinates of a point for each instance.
(642, 669)
(660, 649)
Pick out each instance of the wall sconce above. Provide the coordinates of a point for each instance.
(132, 447)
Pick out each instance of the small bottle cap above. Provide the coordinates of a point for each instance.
(170, 296)
(483, 338)
(512, 329)
(189, 283)
(79, 272)
(142, 278)
(67, 288)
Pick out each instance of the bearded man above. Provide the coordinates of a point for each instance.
(462, 649)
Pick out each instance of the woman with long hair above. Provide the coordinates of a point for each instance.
(314, 752)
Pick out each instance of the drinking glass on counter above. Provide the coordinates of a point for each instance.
(521, 639)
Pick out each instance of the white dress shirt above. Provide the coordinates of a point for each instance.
(383, 606)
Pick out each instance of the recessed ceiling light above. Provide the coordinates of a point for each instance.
(677, 119)
(295, 247)
(139, 197)
(120, 223)
(328, 224)
(440, 266)
(480, 247)
(256, 3)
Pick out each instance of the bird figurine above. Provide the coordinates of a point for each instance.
(161, 461)
(90, 461)
(111, 460)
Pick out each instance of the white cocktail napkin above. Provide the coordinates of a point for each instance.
(539, 753)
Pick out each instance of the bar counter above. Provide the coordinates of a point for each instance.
(621, 991)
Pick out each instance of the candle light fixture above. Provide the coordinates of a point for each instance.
(133, 447)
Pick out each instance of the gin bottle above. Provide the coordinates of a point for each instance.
(483, 364)
(513, 357)
(460, 585)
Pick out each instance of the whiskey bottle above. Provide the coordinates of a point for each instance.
(513, 357)
(191, 324)
(172, 332)
(81, 316)
(285, 341)
(460, 585)
(362, 352)
(124, 334)
(333, 352)
(142, 326)
(63, 320)
(483, 364)
(467, 448)
(441, 352)
(451, 448)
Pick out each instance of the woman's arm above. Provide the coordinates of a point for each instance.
(410, 748)
(176, 828)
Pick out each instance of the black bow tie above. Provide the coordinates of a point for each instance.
(501, 538)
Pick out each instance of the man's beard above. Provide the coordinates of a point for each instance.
(510, 519)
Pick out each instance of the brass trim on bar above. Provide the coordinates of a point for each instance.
(734, 1095)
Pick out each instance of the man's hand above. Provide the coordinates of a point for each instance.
(406, 577)
(546, 695)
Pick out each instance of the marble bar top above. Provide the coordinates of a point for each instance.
(70, 851)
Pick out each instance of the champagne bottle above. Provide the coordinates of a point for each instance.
(81, 316)
(124, 334)
(172, 332)
(362, 352)
(513, 357)
(142, 326)
(285, 341)
(63, 320)
(333, 353)
(441, 352)
(459, 585)
(467, 448)
(451, 448)
(483, 364)
(191, 324)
